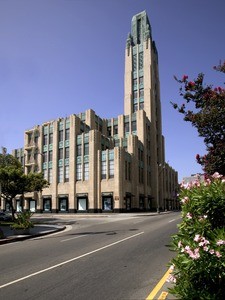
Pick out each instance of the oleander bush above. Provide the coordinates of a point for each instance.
(23, 221)
(199, 266)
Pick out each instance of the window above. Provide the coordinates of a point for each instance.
(116, 143)
(50, 138)
(45, 174)
(129, 170)
(60, 135)
(139, 31)
(115, 129)
(141, 105)
(135, 107)
(50, 175)
(79, 171)
(133, 125)
(60, 174)
(111, 154)
(109, 128)
(141, 80)
(61, 153)
(45, 139)
(86, 171)
(126, 127)
(103, 169)
(50, 155)
(67, 152)
(29, 138)
(45, 157)
(111, 169)
(135, 83)
(79, 150)
(135, 95)
(126, 170)
(67, 173)
(135, 62)
(140, 60)
(141, 175)
(141, 93)
(47, 203)
(67, 134)
(86, 149)
(36, 139)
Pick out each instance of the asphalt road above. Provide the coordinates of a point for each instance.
(112, 257)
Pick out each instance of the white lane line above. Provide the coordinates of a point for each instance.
(73, 238)
(172, 220)
(70, 260)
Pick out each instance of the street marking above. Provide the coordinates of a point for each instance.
(159, 285)
(172, 220)
(73, 238)
(163, 296)
(70, 260)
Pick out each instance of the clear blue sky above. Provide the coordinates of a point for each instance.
(59, 57)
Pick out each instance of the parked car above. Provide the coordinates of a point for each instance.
(4, 216)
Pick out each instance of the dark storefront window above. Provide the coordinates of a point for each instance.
(47, 204)
(107, 202)
(63, 204)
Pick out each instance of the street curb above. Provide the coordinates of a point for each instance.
(26, 237)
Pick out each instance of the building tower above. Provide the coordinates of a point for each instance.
(142, 90)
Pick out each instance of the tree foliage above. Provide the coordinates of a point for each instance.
(207, 116)
(14, 182)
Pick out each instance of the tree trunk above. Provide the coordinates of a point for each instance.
(12, 210)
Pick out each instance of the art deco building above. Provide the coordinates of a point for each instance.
(100, 165)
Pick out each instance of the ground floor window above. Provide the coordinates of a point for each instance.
(32, 205)
(7, 206)
(149, 203)
(82, 203)
(128, 203)
(107, 202)
(141, 202)
(47, 204)
(18, 206)
(63, 204)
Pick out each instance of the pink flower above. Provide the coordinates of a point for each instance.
(185, 77)
(187, 248)
(197, 238)
(171, 278)
(220, 242)
(184, 200)
(218, 254)
(189, 216)
(216, 175)
(205, 248)
(195, 254)
(207, 182)
(179, 244)
(211, 251)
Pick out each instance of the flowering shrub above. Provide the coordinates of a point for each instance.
(199, 267)
(204, 107)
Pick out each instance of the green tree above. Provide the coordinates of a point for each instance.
(207, 116)
(14, 182)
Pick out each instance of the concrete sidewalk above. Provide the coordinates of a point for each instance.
(37, 230)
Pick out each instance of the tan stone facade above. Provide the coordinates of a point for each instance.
(102, 165)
